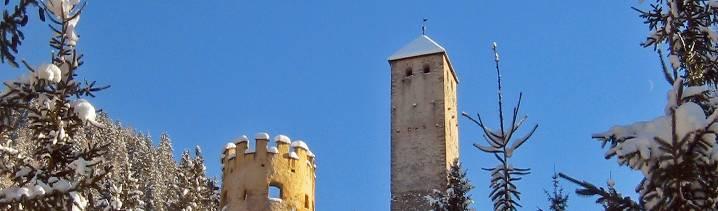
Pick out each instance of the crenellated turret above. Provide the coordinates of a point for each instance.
(248, 172)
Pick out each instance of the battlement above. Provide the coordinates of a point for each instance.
(248, 172)
(239, 149)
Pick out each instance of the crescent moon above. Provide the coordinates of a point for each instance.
(650, 85)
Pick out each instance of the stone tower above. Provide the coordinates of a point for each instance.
(268, 178)
(424, 133)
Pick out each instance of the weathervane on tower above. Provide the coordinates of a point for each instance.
(423, 26)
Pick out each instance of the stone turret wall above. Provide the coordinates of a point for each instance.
(247, 174)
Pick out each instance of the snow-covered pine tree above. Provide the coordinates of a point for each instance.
(686, 29)
(457, 193)
(145, 166)
(185, 186)
(130, 192)
(59, 173)
(207, 193)
(214, 197)
(164, 158)
(558, 201)
(676, 152)
(502, 145)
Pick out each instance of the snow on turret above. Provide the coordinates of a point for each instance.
(300, 144)
(282, 139)
(294, 155)
(262, 136)
(241, 139)
(273, 150)
(230, 146)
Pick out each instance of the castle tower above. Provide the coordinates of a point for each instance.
(268, 178)
(424, 130)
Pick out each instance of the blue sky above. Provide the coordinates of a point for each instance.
(209, 71)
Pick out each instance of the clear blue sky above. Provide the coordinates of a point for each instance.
(209, 71)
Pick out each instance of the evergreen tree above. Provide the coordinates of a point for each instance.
(557, 199)
(610, 199)
(61, 171)
(502, 145)
(184, 188)
(459, 187)
(686, 29)
(207, 197)
(163, 194)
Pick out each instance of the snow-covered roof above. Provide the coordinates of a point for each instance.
(282, 139)
(261, 136)
(300, 144)
(273, 150)
(241, 139)
(230, 146)
(422, 45)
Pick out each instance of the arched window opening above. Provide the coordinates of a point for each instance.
(275, 191)
(306, 201)
(409, 72)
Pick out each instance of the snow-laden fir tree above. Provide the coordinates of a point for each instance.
(164, 158)
(59, 172)
(194, 189)
(183, 189)
(456, 197)
(206, 188)
(676, 152)
(686, 28)
(503, 144)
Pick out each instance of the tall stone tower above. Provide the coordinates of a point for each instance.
(268, 178)
(424, 133)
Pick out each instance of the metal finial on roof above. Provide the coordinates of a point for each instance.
(423, 26)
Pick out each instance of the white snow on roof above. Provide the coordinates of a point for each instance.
(261, 136)
(230, 146)
(273, 150)
(300, 144)
(282, 139)
(241, 139)
(422, 45)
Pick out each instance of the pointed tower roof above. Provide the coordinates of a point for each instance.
(422, 45)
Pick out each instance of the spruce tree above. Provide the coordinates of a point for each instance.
(502, 145)
(557, 199)
(458, 195)
(61, 171)
(184, 188)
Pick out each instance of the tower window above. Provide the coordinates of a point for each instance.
(409, 72)
(274, 192)
(427, 69)
(306, 201)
